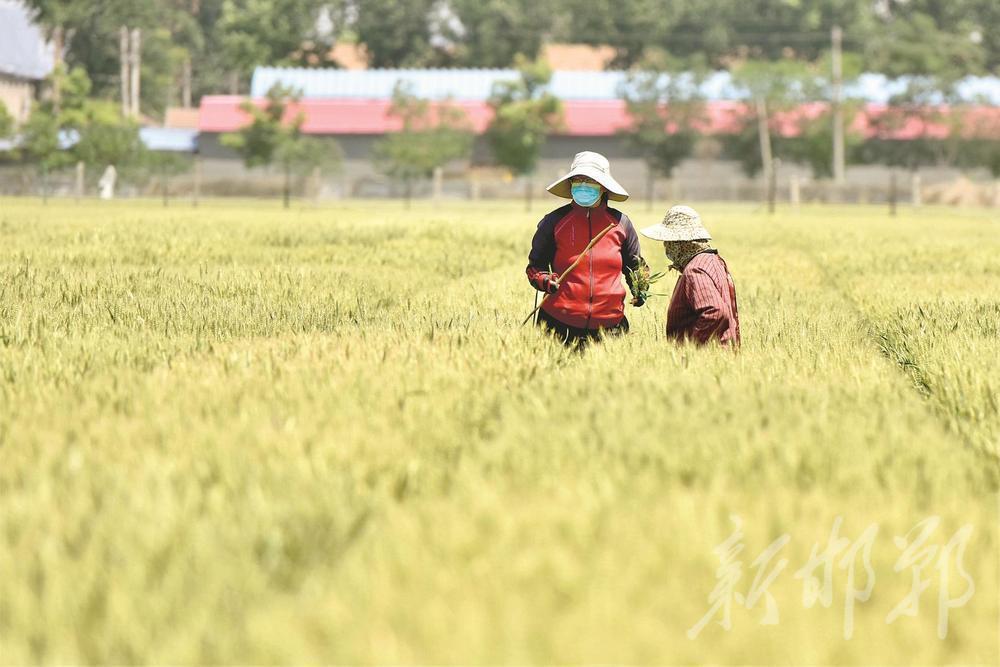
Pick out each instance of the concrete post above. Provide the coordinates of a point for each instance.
(317, 184)
(438, 182)
(474, 191)
(79, 180)
(892, 193)
(197, 182)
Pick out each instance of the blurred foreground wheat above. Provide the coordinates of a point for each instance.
(242, 435)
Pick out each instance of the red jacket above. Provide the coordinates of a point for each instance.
(592, 296)
(703, 305)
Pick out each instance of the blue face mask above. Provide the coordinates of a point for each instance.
(585, 194)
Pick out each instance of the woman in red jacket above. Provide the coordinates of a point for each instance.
(591, 299)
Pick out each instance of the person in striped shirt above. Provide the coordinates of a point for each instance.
(703, 305)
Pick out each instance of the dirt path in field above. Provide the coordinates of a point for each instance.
(894, 348)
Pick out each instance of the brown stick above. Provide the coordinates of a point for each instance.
(572, 266)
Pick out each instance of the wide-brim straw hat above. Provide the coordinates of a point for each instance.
(681, 223)
(594, 166)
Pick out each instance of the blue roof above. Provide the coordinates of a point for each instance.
(169, 139)
(476, 84)
(66, 139)
(24, 53)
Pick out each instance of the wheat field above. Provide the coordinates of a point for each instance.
(237, 434)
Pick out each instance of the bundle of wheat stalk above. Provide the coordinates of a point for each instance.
(641, 281)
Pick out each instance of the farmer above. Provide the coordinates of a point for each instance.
(703, 306)
(590, 299)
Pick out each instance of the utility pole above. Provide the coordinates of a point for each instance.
(766, 157)
(135, 62)
(186, 83)
(892, 192)
(130, 67)
(123, 60)
(197, 182)
(57, 56)
(837, 37)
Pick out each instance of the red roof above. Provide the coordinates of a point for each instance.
(596, 118)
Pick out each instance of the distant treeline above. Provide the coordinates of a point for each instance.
(194, 47)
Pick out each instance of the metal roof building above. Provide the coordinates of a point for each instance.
(24, 53)
(476, 84)
(169, 139)
(458, 84)
(25, 59)
(584, 118)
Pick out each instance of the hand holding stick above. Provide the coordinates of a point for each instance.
(572, 266)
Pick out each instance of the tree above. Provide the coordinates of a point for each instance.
(267, 32)
(431, 137)
(49, 126)
(397, 34)
(81, 129)
(299, 155)
(492, 33)
(773, 86)
(88, 33)
(524, 114)
(164, 165)
(629, 27)
(721, 31)
(6, 122)
(815, 143)
(40, 141)
(930, 38)
(59, 17)
(108, 138)
(274, 137)
(665, 104)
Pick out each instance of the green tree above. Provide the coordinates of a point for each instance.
(50, 127)
(106, 138)
(299, 155)
(6, 122)
(915, 109)
(931, 38)
(664, 102)
(272, 137)
(773, 86)
(163, 165)
(629, 27)
(40, 142)
(266, 32)
(813, 143)
(397, 34)
(986, 17)
(89, 32)
(524, 114)
(431, 137)
(492, 33)
(721, 31)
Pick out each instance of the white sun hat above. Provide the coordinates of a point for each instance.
(681, 223)
(594, 166)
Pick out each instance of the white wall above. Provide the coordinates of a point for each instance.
(16, 94)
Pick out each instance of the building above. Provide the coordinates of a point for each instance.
(352, 106)
(25, 59)
(564, 57)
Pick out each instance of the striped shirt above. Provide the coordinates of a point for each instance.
(703, 305)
